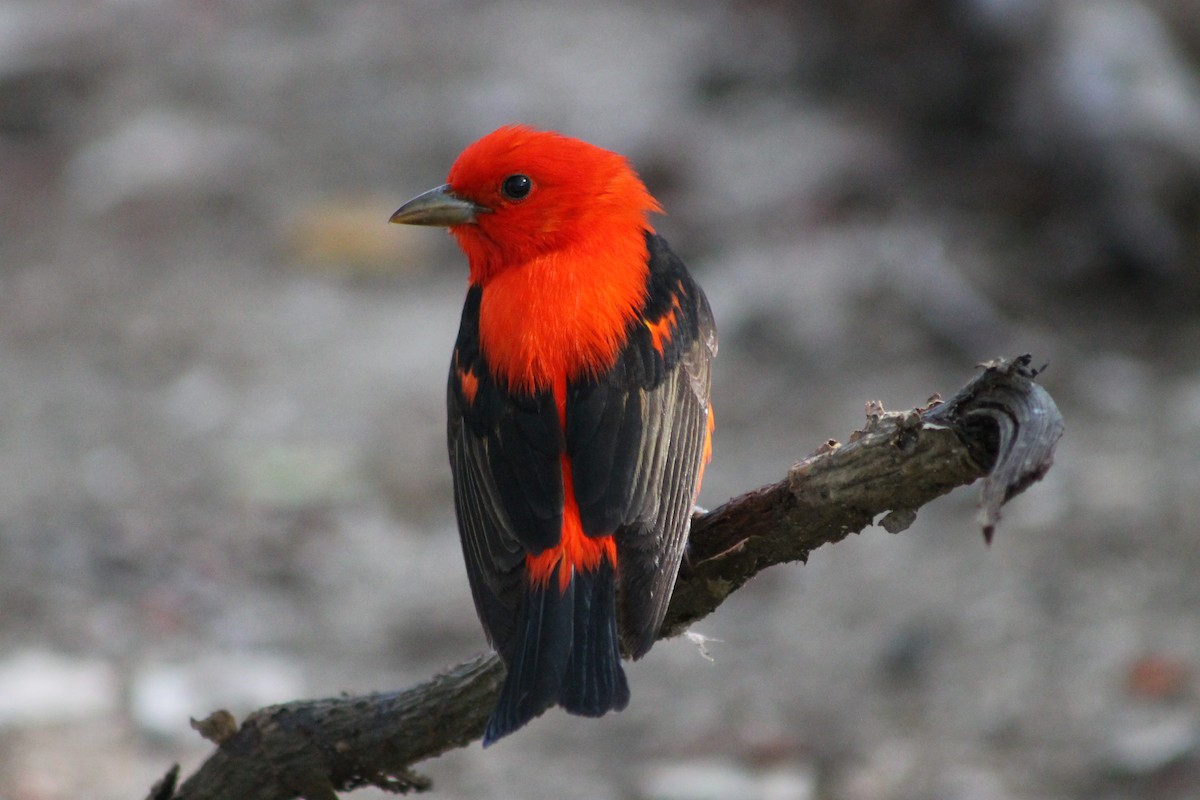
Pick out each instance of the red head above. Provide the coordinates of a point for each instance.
(555, 232)
(519, 193)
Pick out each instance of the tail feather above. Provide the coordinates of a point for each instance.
(536, 659)
(565, 650)
(595, 682)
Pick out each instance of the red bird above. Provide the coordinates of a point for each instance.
(579, 417)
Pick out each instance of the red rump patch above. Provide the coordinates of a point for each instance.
(575, 550)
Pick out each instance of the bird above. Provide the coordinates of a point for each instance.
(579, 420)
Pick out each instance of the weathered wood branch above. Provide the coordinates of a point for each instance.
(1001, 427)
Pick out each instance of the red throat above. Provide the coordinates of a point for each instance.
(563, 315)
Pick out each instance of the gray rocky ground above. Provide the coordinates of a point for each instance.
(222, 476)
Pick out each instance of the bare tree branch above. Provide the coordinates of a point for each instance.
(1001, 427)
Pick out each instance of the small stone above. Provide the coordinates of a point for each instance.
(1156, 676)
(39, 687)
(352, 236)
(715, 779)
(722, 779)
(1144, 744)
(164, 697)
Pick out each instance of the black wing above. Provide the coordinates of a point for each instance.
(506, 459)
(636, 438)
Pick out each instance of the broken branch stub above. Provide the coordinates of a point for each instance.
(1012, 423)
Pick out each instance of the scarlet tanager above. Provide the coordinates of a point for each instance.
(579, 416)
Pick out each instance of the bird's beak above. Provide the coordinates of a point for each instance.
(439, 207)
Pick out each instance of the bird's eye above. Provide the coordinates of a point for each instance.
(516, 187)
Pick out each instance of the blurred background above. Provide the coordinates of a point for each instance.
(222, 471)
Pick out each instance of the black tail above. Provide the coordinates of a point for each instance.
(564, 651)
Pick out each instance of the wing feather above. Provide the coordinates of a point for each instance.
(636, 437)
(505, 458)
